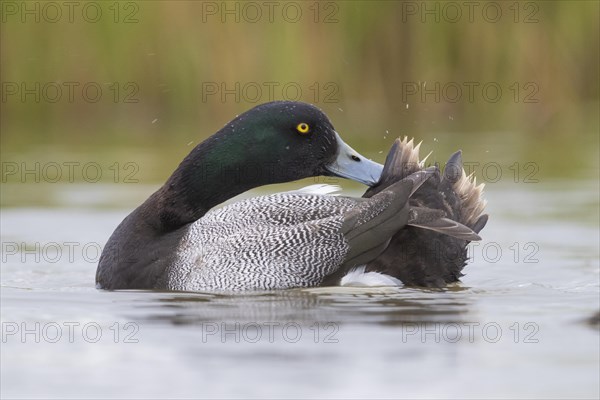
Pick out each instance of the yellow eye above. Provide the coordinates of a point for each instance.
(302, 128)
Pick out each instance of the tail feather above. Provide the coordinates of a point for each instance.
(471, 196)
(401, 162)
(427, 218)
(454, 168)
(445, 214)
(480, 224)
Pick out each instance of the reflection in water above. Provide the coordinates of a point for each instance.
(594, 320)
(384, 306)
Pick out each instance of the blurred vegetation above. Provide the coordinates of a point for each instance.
(363, 57)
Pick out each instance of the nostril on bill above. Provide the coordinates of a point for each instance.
(354, 158)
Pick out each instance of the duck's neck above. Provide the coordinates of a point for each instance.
(215, 171)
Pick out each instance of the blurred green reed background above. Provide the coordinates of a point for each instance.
(380, 69)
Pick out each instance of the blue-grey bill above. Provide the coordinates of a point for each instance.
(350, 164)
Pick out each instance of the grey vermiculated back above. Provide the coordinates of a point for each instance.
(286, 240)
(272, 242)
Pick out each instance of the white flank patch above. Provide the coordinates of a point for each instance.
(358, 277)
(320, 189)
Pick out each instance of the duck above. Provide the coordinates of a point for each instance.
(179, 240)
(428, 257)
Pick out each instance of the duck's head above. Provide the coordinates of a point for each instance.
(274, 142)
(296, 140)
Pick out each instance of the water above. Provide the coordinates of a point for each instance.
(517, 326)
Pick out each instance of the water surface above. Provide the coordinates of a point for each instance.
(517, 326)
